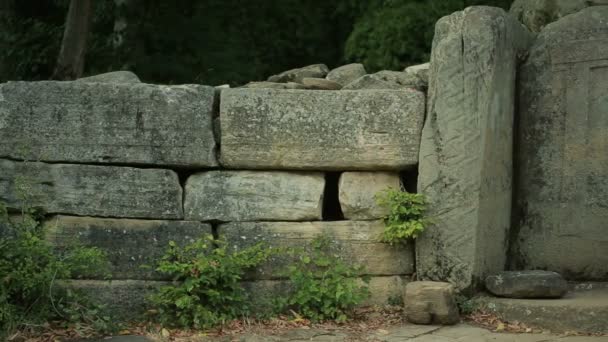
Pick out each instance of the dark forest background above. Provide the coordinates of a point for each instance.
(222, 41)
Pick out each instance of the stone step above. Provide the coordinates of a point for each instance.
(584, 309)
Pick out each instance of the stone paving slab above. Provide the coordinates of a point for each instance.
(413, 333)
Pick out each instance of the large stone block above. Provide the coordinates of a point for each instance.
(536, 14)
(354, 241)
(88, 190)
(129, 244)
(328, 130)
(83, 122)
(563, 164)
(429, 302)
(467, 145)
(358, 190)
(254, 195)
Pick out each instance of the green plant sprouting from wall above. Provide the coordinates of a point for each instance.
(406, 217)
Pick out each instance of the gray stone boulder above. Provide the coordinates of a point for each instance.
(346, 73)
(320, 130)
(536, 14)
(129, 244)
(420, 72)
(88, 190)
(320, 84)
(563, 165)
(527, 284)
(254, 196)
(466, 164)
(370, 82)
(428, 302)
(296, 75)
(274, 85)
(354, 241)
(387, 79)
(107, 123)
(112, 77)
(357, 193)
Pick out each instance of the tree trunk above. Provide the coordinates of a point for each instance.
(70, 63)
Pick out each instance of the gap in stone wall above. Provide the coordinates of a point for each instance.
(332, 211)
(409, 179)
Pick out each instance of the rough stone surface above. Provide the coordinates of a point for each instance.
(254, 196)
(466, 151)
(357, 193)
(428, 302)
(328, 130)
(355, 241)
(387, 79)
(129, 244)
(536, 14)
(107, 123)
(126, 300)
(296, 75)
(346, 73)
(563, 164)
(112, 77)
(274, 85)
(88, 190)
(320, 84)
(527, 284)
(421, 72)
(582, 311)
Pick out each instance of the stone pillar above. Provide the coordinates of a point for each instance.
(467, 144)
(563, 159)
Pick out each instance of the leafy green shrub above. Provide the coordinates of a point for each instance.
(30, 270)
(207, 288)
(324, 286)
(406, 218)
(466, 305)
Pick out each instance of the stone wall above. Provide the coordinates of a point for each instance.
(128, 167)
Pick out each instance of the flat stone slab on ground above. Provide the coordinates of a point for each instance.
(355, 241)
(129, 244)
(527, 284)
(92, 190)
(254, 196)
(135, 123)
(580, 310)
(321, 130)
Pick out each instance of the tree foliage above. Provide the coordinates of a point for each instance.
(224, 41)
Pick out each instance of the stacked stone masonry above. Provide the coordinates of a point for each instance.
(127, 167)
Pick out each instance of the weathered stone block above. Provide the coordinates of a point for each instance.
(355, 241)
(88, 190)
(112, 77)
(329, 130)
(254, 195)
(320, 84)
(346, 73)
(563, 164)
(527, 284)
(129, 244)
(428, 302)
(125, 300)
(536, 14)
(358, 190)
(421, 72)
(86, 122)
(466, 151)
(296, 75)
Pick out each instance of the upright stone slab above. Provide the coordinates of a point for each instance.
(129, 244)
(329, 130)
(254, 196)
(563, 164)
(88, 190)
(355, 241)
(83, 122)
(466, 150)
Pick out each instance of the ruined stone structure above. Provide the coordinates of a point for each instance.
(509, 144)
